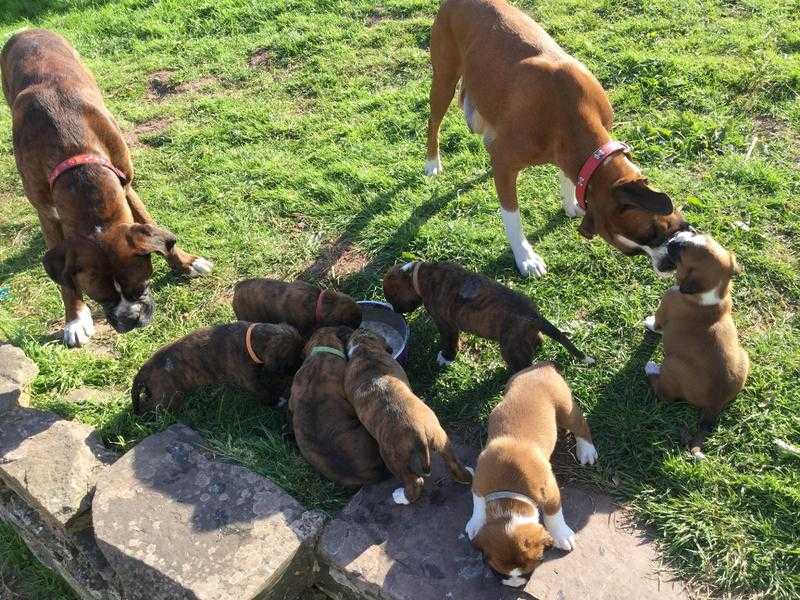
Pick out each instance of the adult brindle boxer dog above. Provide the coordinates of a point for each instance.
(77, 173)
(535, 104)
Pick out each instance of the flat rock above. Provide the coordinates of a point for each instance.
(174, 523)
(51, 463)
(15, 366)
(10, 395)
(378, 550)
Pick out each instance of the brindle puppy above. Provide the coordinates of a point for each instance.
(326, 427)
(215, 355)
(300, 304)
(407, 430)
(459, 300)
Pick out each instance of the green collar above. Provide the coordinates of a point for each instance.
(327, 350)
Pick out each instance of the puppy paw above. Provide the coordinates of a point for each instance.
(442, 361)
(586, 452)
(650, 324)
(652, 368)
(399, 496)
(529, 263)
(78, 331)
(572, 210)
(433, 167)
(565, 539)
(200, 266)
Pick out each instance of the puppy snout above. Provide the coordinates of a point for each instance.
(125, 314)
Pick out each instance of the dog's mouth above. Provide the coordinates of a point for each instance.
(125, 315)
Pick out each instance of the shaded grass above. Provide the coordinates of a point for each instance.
(265, 169)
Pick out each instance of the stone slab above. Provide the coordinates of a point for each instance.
(175, 524)
(51, 463)
(10, 395)
(377, 550)
(15, 366)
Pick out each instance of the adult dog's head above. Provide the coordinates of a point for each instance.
(113, 268)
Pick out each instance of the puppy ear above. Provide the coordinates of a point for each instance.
(145, 238)
(59, 265)
(587, 228)
(639, 194)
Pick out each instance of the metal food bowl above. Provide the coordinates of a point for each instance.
(377, 317)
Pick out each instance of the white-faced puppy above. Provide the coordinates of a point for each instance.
(535, 104)
(704, 364)
(513, 478)
(406, 429)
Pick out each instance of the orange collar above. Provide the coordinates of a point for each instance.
(415, 278)
(249, 347)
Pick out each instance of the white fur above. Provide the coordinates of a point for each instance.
(124, 307)
(442, 361)
(568, 200)
(528, 262)
(200, 266)
(478, 518)
(652, 368)
(78, 331)
(433, 166)
(709, 298)
(399, 496)
(650, 323)
(408, 266)
(563, 536)
(515, 579)
(689, 237)
(588, 360)
(655, 254)
(519, 520)
(585, 450)
(351, 348)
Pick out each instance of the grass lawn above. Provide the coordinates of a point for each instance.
(286, 138)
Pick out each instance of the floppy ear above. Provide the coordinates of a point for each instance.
(639, 194)
(145, 239)
(58, 265)
(586, 228)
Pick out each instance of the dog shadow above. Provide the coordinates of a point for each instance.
(25, 259)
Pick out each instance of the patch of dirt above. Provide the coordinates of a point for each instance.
(261, 58)
(156, 125)
(376, 16)
(337, 260)
(161, 85)
(767, 124)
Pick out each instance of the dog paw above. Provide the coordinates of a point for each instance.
(442, 361)
(564, 539)
(529, 263)
(586, 452)
(78, 331)
(399, 496)
(200, 266)
(650, 324)
(652, 368)
(571, 207)
(433, 167)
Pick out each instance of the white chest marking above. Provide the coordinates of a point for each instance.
(515, 579)
(710, 298)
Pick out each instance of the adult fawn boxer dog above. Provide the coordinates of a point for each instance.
(77, 173)
(535, 104)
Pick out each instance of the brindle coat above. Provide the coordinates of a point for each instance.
(458, 300)
(275, 301)
(217, 355)
(326, 428)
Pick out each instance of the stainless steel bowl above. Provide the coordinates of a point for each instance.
(383, 314)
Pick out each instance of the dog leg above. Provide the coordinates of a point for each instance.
(446, 68)
(410, 492)
(457, 469)
(449, 338)
(569, 416)
(568, 200)
(528, 262)
(179, 260)
(478, 518)
(563, 536)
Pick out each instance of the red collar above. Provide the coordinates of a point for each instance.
(592, 164)
(84, 159)
(318, 311)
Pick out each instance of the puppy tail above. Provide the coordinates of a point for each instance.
(420, 463)
(551, 331)
(708, 422)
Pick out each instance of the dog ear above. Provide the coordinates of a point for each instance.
(586, 228)
(145, 238)
(59, 266)
(639, 194)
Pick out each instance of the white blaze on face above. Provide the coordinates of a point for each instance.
(126, 308)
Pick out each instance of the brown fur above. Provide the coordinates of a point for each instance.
(406, 429)
(459, 300)
(543, 106)
(217, 355)
(704, 364)
(96, 230)
(521, 437)
(274, 301)
(326, 428)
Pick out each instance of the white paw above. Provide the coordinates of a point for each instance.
(399, 496)
(568, 200)
(442, 361)
(588, 360)
(652, 368)
(200, 266)
(78, 331)
(433, 167)
(586, 452)
(650, 323)
(572, 209)
(564, 540)
(529, 263)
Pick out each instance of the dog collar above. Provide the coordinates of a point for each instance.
(249, 347)
(84, 159)
(592, 164)
(510, 496)
(415, 278)
(327, 350)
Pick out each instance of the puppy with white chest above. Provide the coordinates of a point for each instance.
(406, 429)
(513, 479)
(704, 364)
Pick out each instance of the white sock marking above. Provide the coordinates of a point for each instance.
(650, 323)
(528, 262)
(200, 266)
(563, 536)
(478, 518)
(78, 331)
(433, 166)
(399, 496)
(442, 361)
(652, 368)
(568, 200)
(585, 450)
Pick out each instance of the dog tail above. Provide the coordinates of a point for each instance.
(708, 422)
(420, 463)
(553, 332)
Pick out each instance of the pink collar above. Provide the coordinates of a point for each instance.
(592, 164)
(84, 159)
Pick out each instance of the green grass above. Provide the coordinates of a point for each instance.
(264, 169)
